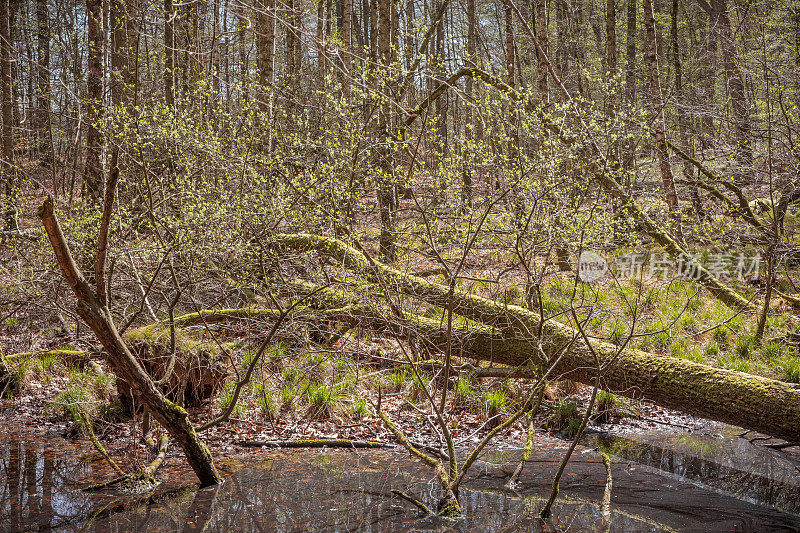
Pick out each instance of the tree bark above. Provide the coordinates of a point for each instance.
(94, 93)
(542, 19)
(92, 309)
(347, 33)
(265, 45)
(630, 78)
(682, 119)
(469, 127)
(511, 335)
(124, 52)
(43, 79)
(657, 107)
(9, 203)
(293, 55)
(721, 27)
(387, 197)
(169, 53)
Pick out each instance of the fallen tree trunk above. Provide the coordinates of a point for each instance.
(93, 310)
(515, 336)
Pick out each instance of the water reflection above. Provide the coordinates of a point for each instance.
(339, 491)
(727, 463)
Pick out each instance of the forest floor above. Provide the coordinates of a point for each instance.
(34, 411)
(308, 387)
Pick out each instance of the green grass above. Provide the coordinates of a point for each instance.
(771, 350)
(790, 369)
(606, 406)
(266, 402)
(397, 380)
(712, 349)
(226, 398)
(564, 418)
(288, 398)
(463, 392)
(743, 348)
(322, 401)
(358, 409)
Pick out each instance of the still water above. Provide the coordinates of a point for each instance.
(339, 490)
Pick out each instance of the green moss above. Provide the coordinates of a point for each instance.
(159, 334)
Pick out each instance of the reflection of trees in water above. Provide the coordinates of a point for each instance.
(731, 465)
(36, 491)
(297, 491)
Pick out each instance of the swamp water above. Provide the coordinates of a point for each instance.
(339, 490)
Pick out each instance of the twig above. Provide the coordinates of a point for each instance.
(315, 443)
(413, 501)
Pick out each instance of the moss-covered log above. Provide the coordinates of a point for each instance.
(512, 335)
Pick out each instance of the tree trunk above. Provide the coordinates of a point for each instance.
(293, 56)
(743, 151)
(509, 44)
(265, 45)
(630, 78)
(507, 334)
(347, 32)
(439, 73)
(541, 35)
(657, 106)
(9, 203)
(43, 80)
(124, 52)
(169, 53)
(387, 199)
(611, 69)
(96, 314)
(709, 86)
(682, 119)
(94, 95)
(469, 127)
(611, 36)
